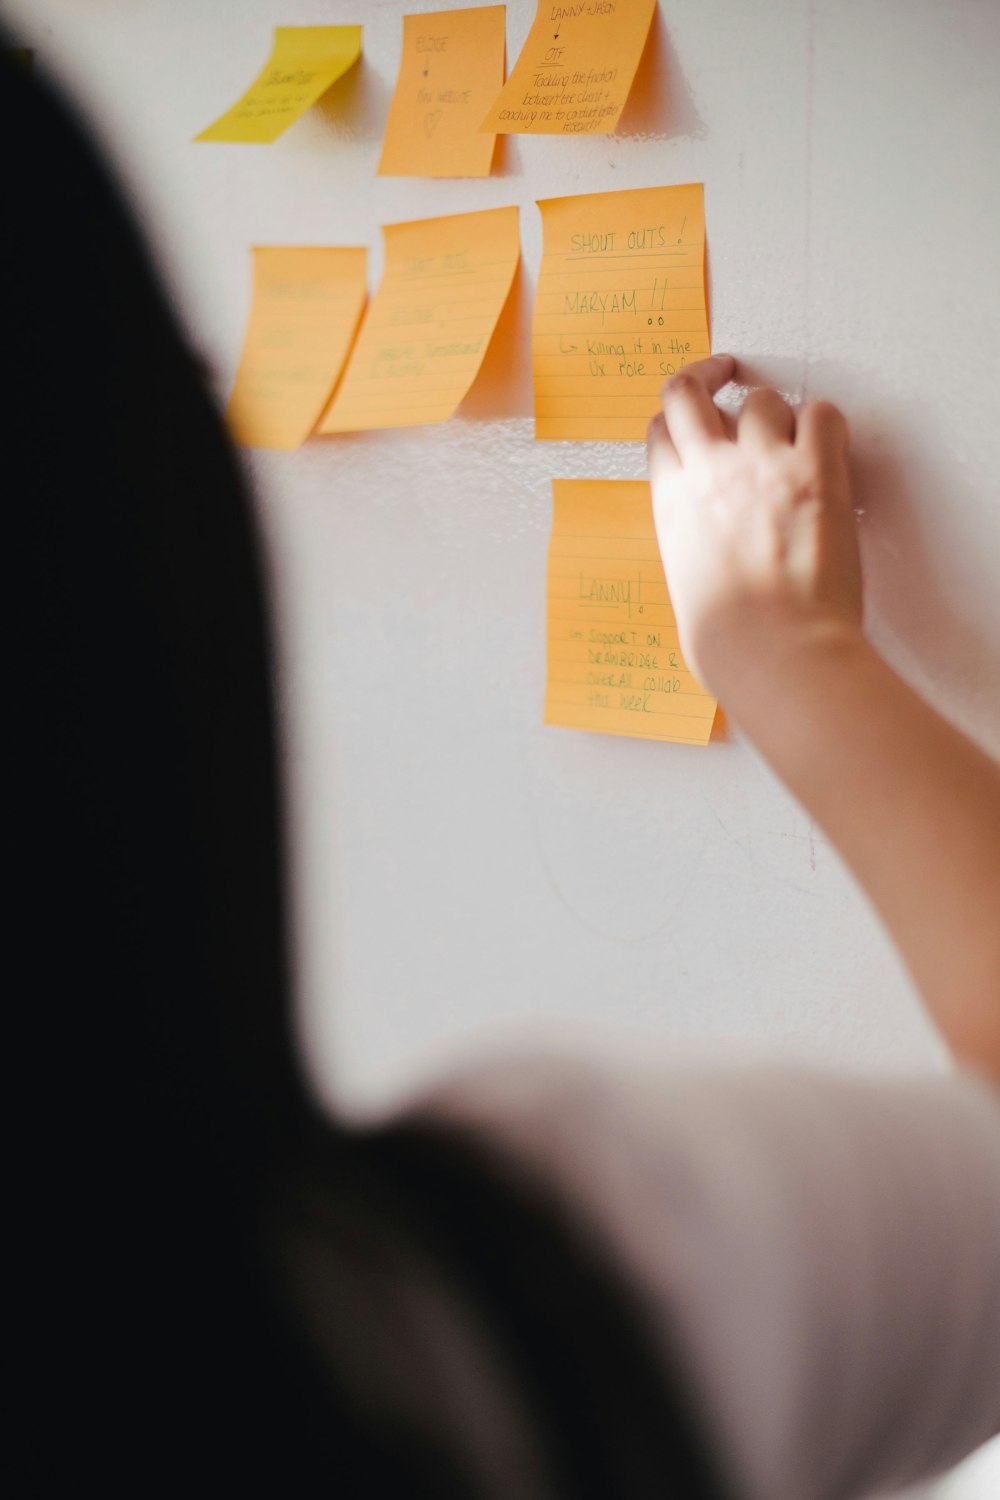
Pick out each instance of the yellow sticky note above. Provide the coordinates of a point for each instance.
(620, 307)
(450, 70)
(429, 323)
(304, 62)
(614, 662)
(307, 303)
(575, 69)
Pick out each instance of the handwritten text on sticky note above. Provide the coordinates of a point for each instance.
(307, 303)
(614, 662)
(575, 69)
(450, 70)
(304, 62)
(620, 307)
(428, 326)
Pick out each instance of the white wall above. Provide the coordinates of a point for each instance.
(461, 869)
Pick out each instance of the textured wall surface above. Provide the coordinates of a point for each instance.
(462, 872)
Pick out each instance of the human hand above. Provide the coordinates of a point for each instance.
(754, 521)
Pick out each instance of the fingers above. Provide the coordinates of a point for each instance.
(690, 422)
(765, 420)
(692, 418)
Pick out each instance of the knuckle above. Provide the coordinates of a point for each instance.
(807, 492)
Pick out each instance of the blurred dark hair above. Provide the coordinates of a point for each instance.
(149, 929)
(169, 1150)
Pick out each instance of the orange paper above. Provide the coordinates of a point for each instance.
(450, 70)
(307, 303)
(620, 307)
(575, 69)
(429, 324)
(304, 62)
(614, 662)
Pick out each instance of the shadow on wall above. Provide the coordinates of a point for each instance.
(503, 387)
(355, 108)
(507, 161)
(918, 576)
(660, 104)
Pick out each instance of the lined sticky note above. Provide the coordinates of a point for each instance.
(450, 70)
(307, 303)
(304, 62)
(614, 662)
(620, 307)
(575, 69)
(429, 323)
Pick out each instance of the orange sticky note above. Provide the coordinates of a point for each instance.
(307, 303)
(304, 62)
(429, 323)
(620, 307)
(614, 662)
(450, 70)
(575, 69)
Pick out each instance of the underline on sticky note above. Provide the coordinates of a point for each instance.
(644, 255)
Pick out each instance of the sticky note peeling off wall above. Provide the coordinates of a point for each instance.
(451, 67)
(307, 303)
(614, 660)
(620, 307)
(304, 62)
(575, 69)
(428, 326)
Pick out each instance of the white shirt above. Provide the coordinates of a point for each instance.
(825, 1249)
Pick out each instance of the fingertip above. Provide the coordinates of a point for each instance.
(833, 416)
(822, 422)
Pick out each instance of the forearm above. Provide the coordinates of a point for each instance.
(911, 804)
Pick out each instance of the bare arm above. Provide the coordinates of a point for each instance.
(758, 541)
